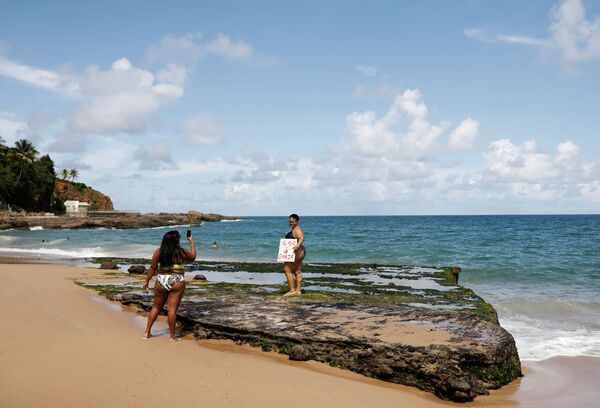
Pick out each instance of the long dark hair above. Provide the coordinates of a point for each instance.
(170, 251)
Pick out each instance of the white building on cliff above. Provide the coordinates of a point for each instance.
(76, 208)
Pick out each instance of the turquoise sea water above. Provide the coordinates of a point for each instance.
(542, 273)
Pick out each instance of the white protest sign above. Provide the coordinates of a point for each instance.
(286, 250)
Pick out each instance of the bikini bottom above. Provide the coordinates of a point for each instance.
(167, 280)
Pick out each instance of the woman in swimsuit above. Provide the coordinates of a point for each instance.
(168, 260)
(294, 269)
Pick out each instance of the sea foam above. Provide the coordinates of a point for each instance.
(538, 341)
(60, 253)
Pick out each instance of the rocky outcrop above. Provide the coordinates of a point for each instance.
(137, 269)
(109, 264)
(128, 221)
(455, 356)
(66, 190)
(433, 334)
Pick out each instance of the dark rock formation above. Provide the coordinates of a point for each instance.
(200, 277)
(120, 221)
(109, 264)
(300, 353)
(446, 341)
(137, 269)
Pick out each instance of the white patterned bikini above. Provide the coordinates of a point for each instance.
(167, 280)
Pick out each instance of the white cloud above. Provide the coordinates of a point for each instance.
(202, 130)
(465, 135)
(375, 136)
(574, 37)
(483, 35)
(68, 142)
(522, 40)
(369, 71)
(71, 163)
(527, 163)
(10, 127)
(172, 74)
(111, 156)
(39, 78)
(252, 195)
(511, 163)
(566, 152)
(590, 191)
(157, 157)
(183, 50)
(186, 50)
(122, 99)
(224, 46)
(238, 50)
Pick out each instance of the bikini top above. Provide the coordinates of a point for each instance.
(290, 235)
(171, 267)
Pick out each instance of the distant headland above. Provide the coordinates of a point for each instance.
(108, 219)
(33, 194)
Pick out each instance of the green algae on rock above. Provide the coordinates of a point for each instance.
(424, 331)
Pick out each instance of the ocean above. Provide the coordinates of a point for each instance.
(540, 272)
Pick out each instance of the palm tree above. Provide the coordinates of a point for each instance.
(25, 148)
(26, 152)
(64, 174)
(74, 174)
(3, 147)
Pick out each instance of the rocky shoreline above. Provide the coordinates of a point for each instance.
(122, 221)
(407, 325)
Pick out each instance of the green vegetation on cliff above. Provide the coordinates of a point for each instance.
(29, 182)
(26, 180)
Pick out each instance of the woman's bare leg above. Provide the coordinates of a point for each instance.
(160, 297)
(298, 273)
(287, 269)
(173, 304)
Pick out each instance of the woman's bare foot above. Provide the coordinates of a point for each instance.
(174, 338)
(290, 293)
(146, 336)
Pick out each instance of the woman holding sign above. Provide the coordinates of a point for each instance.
(293, 270)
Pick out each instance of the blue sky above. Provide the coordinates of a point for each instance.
(337, 107)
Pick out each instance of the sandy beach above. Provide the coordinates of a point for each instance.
(63, 345)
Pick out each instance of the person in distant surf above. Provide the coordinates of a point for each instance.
(293, 270)
(170, 284)
(215, 245)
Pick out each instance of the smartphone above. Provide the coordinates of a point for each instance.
(189, 233)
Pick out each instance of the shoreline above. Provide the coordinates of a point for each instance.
(68, 346)
(61, 318)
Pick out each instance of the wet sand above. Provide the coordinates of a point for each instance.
(63, 345)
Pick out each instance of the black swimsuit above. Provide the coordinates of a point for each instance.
(290, 235)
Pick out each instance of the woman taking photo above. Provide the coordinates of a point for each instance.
(293, 270)
(170, 284)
